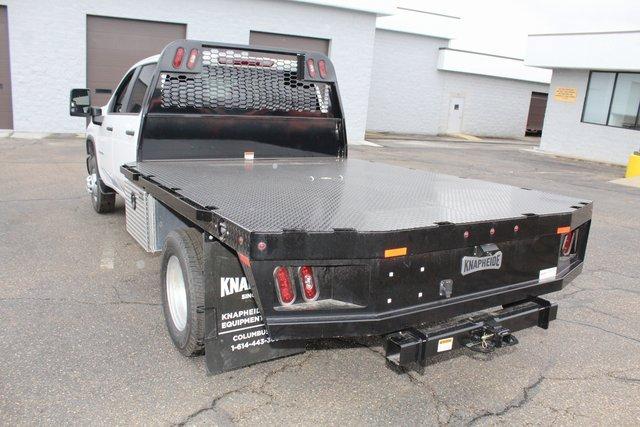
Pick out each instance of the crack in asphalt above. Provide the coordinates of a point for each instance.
(527, 394)
(210, 407)
(530, 391)
(631, 380)
(260, 390)
(589, 325)
(413, 378)
(595, 310)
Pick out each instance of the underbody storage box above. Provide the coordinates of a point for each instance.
(147, 220)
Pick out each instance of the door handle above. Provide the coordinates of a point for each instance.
(110, 128)
(129, 132)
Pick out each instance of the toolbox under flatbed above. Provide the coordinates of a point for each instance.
(324, 195)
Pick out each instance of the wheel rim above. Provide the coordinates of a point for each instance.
(176, 293)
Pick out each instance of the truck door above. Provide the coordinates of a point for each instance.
(108, 130)
(125, 130)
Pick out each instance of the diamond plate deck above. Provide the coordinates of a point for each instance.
(317, 195)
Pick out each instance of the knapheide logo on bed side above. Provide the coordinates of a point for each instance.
(471, 264)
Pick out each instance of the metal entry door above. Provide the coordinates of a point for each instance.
(456, 109)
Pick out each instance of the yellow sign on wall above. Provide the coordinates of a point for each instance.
(566, 94)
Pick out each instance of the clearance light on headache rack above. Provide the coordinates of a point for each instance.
(191, 62)
(322, 68)
(311, 67)
(177, 58)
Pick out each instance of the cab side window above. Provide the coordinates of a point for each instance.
(140, 87)
(117, 106)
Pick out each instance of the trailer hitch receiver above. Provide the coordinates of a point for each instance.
(489, 337)
(483, 333)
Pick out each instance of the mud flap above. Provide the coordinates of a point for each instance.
(235, 334)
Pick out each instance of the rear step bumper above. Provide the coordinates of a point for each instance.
(483, 333)
(309, 326)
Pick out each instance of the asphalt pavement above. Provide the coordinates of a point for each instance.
(83, 339)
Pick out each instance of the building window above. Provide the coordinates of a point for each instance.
(613, 99)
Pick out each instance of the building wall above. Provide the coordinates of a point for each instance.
(493, 107)
(410, 95)
(564, 133)
(406, 85)
(48, 47)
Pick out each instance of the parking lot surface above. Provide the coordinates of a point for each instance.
(84, 342)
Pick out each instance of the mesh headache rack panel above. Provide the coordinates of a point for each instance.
(236, 81)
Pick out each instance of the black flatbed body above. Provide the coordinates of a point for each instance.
(324, 196)
(342, 215)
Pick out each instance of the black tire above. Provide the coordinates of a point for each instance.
(186, 245)
(103, 198)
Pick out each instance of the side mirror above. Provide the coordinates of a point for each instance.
(80, 103)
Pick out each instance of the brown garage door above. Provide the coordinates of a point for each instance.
(6, 115)
(257, 38)
(114, 45)
(537, 108)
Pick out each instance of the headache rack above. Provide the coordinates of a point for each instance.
(227, 100)
(234, 81)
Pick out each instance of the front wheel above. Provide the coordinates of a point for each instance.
(182, 285)
(102, 199)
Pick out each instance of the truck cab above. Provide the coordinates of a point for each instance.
(112, 132)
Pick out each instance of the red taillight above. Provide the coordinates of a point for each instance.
(311, 67)
(308, 282)
(177, 58)
(322, 68)
(567, 243)
(193, 55)
(284, 286)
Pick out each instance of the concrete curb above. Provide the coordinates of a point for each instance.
(364, 142)
(628, 182)
(459, 138)
(540, 152)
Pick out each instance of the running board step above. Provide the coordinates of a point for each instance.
(483, 333)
